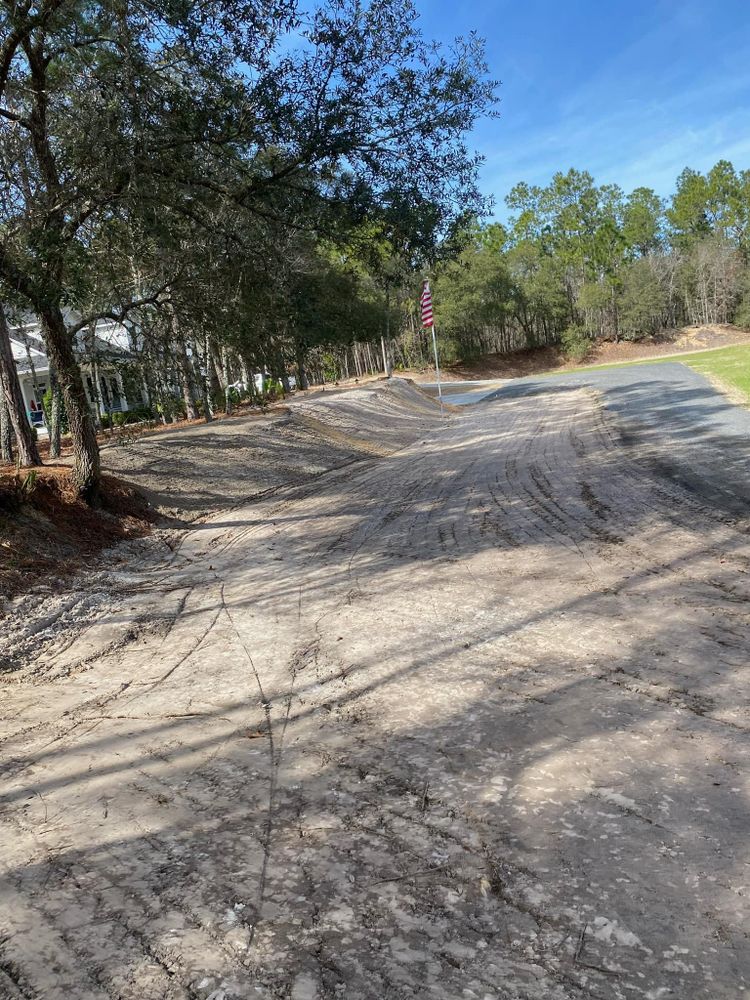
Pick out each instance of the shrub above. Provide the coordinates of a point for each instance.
(448, 350)
(172, 408)
(139, 413)
(272, 390)
(576, 343)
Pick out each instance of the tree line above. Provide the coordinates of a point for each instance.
(240, 183)
(577, 262)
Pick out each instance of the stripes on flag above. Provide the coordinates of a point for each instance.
(426, 303)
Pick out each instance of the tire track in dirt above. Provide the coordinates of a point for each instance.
(458, 721)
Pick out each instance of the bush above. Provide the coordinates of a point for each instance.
(576, 343)
(172, 408)
(47, 407)
(643, 304)
(272, 390)
(742, 312)
(138, 415)
(448, 351)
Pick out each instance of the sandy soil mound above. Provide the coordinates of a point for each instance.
(197, 469)
(185, 474)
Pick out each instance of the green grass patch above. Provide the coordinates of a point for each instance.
(728, 365)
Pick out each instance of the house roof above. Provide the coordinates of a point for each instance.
(111, 342)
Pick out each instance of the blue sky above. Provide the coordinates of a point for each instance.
(630, 91)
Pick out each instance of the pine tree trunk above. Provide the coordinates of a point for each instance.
(86, 475)
(55, 416)
(204, 381)
(191, 411)
(28, 453)
(6, 436)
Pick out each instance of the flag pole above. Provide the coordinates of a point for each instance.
(437, 370)
(428, 319)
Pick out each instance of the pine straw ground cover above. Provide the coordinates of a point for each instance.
(47, 533)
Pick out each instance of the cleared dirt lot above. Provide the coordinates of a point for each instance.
(468, 721)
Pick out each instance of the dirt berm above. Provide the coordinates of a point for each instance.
(187, 474)
(195, 470)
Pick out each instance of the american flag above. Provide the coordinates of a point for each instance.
(426, 303)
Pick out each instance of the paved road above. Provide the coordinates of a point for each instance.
(668, 396)
(695, 433)
(467, 722)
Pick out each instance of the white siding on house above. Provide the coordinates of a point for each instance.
(33, 366)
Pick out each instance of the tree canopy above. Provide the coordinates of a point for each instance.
(156, 157)
(579, 261)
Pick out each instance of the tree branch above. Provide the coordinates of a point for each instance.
(11, 116)
(119, 317)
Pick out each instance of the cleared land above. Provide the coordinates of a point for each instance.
(467, 721)
(185, 473)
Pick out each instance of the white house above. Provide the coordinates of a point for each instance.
(100, 353)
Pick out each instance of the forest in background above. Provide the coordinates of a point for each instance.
(578, 262)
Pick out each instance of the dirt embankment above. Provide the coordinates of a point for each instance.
(199, 468)
(62, 563)
(544, 359)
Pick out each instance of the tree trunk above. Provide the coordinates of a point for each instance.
(6, 436)
(184, 366)
(191, 411)
(204, 381)
(225, 377)
(55, 416)
(30, 361)
(28, 453)
(386, 366)
(86, 475)
(216, 357)
(302, 379)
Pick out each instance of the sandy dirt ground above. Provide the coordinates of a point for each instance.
(192, 471)
(469, 721)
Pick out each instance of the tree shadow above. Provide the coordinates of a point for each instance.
(468, 720)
